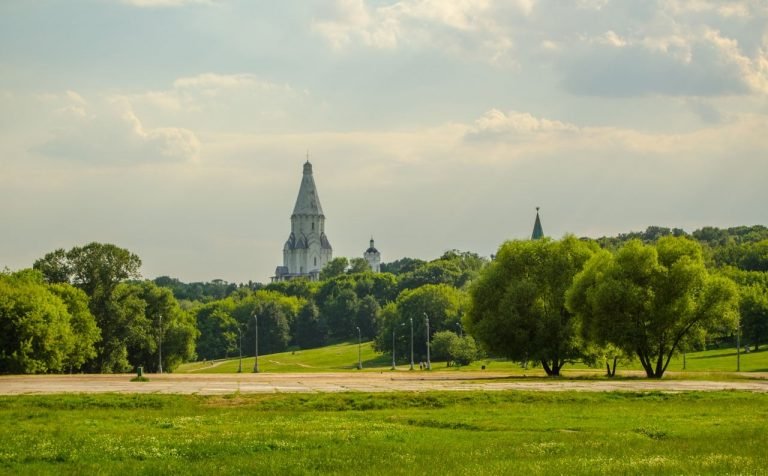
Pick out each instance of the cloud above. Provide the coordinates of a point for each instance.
(463, 27)
(496, 125)
(669, 47)
(107, 131)
(236, 101)
(166, 3)
(709, 64)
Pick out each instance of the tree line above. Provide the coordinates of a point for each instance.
(644, 296)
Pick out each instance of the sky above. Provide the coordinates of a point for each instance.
(178, 128)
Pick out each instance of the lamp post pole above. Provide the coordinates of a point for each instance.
(160, 346)
(359, 354)
(411, 319)
(393, 348)
(240, 347)
(738, 348)
(429, 364)
(256, 341)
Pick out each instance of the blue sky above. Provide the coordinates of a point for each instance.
(177, 129)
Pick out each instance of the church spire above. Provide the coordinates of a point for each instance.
(538, 232)
(307, 202)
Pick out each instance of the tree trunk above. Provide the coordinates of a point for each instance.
(645, 362)
(551, 371)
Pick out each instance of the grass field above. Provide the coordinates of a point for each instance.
(413, 433)
(342, 357)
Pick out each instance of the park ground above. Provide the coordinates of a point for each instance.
(471, 433)
(310, 412)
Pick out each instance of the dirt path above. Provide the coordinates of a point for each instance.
(217, 384)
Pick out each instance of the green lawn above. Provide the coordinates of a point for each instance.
(339, 357)
(343, 357)
(408, 433)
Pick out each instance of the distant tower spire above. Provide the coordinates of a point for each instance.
(538, 232)
(373, 257)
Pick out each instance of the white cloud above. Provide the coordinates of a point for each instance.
(108, 131)
(496, 125)
(464, 27)
(167, 3)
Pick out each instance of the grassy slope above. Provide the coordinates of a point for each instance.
(414, 433)
(341, 357)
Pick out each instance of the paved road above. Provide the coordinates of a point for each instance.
(218, 384)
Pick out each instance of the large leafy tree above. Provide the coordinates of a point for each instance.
(218, 329)
(518, 302)
(166, 324)
(333, 268)
(647, 300)
(98, 269)
(43, 328)
(84, 329)
(443, 304)
(753, 307)
(310, 331)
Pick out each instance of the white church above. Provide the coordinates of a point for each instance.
(307, 249)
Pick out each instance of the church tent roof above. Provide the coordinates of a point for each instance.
(308, 202)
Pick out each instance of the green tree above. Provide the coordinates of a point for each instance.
(358, 265)
(98, 269)
(311, 331)
(274, 328)
(367, 315)
(443, 304)
(442, 345)
(464, 351)
(434, 272)
(468, 263)
(340, 313)
(217, 329)
(36, 334)
(402, 266)
(518, 302)
(753, 307)
(169, 325)
(333, 268)
(84, 329)
(646, 300)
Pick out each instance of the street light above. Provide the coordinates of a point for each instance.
(738, 348)
(429, 364)
(240, 346)
(411, 319)
(160, 345)
(359, 344)
(256, 341)
(393, 348)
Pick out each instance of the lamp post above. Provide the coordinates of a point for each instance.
(393, 348)
(738, 348)
(240, 347)
(426, 319)
(256, 341)
(160, 345)
(359, 354)
(411, 320)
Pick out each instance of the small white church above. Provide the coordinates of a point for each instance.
(307, 249)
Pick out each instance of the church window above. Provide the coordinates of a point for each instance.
(313, 229)
(315, 260)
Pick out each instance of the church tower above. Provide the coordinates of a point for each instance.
(373, 257)
(307, 249)
(538, 232)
